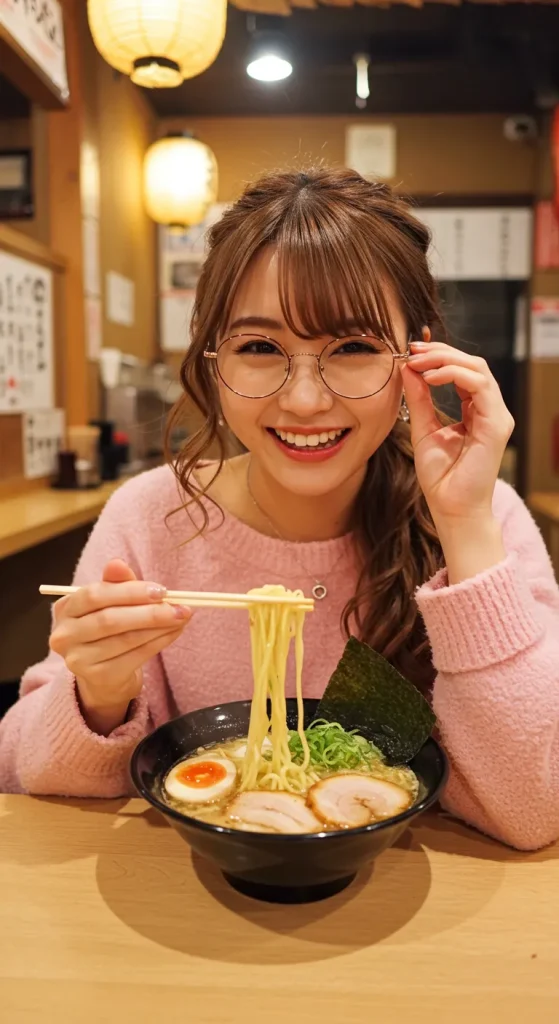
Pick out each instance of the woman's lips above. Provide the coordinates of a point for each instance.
(309, 454)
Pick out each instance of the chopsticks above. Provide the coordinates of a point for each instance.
(201, 599)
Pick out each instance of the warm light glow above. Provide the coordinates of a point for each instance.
(158, 43)
(362, 86)
(269, 68)
(180, 181)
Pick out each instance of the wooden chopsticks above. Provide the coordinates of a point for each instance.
(200, 599)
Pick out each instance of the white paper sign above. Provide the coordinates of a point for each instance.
(544, 329)
(38, 27)
(43, 437)
(176, 313)
(26, 335)
(478, 244)
(371, 150)
(120, 299)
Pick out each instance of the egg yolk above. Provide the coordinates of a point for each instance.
(201, 774)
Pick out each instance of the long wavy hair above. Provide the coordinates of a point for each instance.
(340, 241)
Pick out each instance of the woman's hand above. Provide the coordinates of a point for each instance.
(457, 465)
(106, 632)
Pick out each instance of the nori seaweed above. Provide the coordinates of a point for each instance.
(367, 693)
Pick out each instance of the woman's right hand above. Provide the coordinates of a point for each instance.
(106, 632)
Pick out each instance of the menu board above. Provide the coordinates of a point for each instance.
(479, 244)
(26, 335)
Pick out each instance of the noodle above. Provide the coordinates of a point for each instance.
(272, 628)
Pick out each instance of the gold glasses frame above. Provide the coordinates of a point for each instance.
(396, 356)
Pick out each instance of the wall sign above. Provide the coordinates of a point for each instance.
(479, 243)
(26, 335)
(38, 27)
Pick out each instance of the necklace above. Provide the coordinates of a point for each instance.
(319, 590)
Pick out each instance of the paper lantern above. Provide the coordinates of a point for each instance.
(158, 43)
(180, 181)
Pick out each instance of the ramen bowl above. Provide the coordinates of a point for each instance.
(277, 868)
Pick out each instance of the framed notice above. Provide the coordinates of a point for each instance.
(26, 335)
(37, 30)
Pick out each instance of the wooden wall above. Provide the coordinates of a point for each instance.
(31, 133)
(458, 154)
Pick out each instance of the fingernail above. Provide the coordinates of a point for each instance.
(420, 344)
(156, 592)
(181, 611)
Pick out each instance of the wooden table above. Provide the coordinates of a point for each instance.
(545, 507)
(37, 515)
(105, 917)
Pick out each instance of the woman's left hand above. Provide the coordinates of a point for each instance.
(457, 465)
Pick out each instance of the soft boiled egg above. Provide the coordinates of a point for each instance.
(201, 779)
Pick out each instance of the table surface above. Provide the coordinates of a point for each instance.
(31, 518)
(105, 917)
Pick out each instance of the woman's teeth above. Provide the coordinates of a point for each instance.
(310, 440)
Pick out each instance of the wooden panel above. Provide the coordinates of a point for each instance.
(26, 616)
(11, 447)
(30, 249)
(456, 154)
(63, 174)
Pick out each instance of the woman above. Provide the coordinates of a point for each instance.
(312, 321)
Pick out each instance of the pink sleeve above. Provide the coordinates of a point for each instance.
(495, 644)
(45, 745)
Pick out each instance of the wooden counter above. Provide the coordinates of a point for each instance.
(30, 518)
(105, 917)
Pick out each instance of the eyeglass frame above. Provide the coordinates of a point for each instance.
(209, 354)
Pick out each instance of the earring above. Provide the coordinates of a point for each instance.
(404, 413)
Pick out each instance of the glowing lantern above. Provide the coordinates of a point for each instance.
(180, 181)
(158, 43)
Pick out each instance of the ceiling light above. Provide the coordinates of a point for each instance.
(362, 90)
(269, 68)
(158, 43)
(269, 59)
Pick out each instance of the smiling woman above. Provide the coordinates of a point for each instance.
(312, 318)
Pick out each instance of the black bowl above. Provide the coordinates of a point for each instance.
(281, 869)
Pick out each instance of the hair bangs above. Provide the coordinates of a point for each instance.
(331, 280)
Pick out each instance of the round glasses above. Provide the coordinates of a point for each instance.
(255, 366)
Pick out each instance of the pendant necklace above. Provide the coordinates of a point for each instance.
(319, 590)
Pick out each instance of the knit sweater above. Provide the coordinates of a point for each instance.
(494, 641)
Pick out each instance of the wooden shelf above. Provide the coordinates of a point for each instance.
(32, 518)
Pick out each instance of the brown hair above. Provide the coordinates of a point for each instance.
(339, 240)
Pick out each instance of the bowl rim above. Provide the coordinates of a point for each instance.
(222, 830)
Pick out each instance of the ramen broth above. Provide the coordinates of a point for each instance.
(217, 811)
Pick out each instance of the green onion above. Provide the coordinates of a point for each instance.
(333, 749)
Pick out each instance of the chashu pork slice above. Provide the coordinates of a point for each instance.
(351, 800)
(276, 812)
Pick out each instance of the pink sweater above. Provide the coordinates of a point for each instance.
(494, 638)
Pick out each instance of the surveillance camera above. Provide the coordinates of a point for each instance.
(522, 128)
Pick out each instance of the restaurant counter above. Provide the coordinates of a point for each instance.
(38, 515)
(106, 916)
